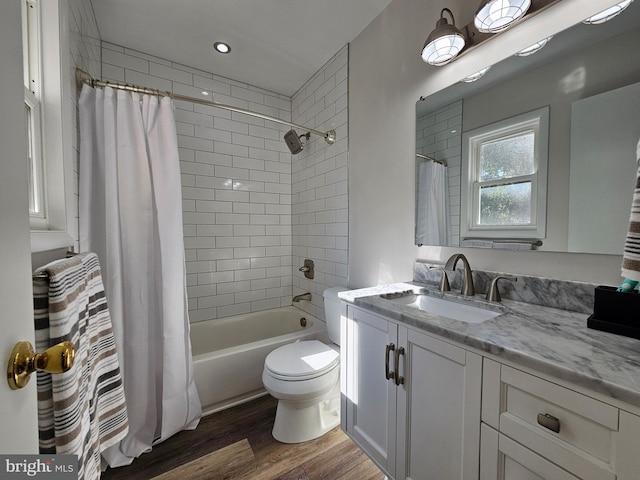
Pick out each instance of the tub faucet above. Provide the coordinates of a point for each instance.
(467, 278)
(304, 296)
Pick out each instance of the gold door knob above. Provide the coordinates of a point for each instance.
(24, 361)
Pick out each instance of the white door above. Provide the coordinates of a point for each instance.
(18, 422)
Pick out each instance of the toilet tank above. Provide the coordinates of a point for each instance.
(334, 309)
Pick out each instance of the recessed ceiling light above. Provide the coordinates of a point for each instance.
(222, 47)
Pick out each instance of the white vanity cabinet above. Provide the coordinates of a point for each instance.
(538, 429)
(410, 400)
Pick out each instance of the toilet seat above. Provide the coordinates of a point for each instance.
(301, 361)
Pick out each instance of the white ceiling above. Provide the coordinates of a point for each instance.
(275, 44)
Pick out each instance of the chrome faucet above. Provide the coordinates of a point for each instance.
(467, 278)
(304, 296)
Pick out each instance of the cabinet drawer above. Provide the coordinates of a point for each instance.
(503, 459)
(532, 408)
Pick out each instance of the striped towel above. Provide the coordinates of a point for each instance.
(81, 411)
(631, 257)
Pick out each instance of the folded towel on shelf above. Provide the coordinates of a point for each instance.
(83, 410)
(513, 245)
(476, 243)
(631, 256)
(501, 244)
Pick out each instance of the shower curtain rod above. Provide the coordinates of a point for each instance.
(431, 159)
(83, 77)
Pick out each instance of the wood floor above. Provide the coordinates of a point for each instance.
(237, 444)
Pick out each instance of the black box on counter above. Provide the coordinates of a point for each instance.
(616, 312)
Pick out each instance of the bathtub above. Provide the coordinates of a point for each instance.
(229, 353)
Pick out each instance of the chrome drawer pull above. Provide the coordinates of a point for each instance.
(387, 373)
(549, 421)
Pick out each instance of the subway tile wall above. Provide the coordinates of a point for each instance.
(84, 52)
(236, 185)
(319, 183)
(439, 135)
(237, 182)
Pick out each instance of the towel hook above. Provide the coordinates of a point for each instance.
(24, 361)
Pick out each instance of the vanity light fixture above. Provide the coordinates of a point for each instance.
(222, 47)
(494, 16)
(525, 52)
(607, 14)
(475, 76)
(444, 43)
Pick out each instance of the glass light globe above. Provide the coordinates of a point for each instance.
(497, 15)
(525, 52)
(475, 76)
(443, 49)
(608, 13)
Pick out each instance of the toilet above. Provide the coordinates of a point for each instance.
(305, 379)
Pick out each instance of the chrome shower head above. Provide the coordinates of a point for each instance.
(294, 141)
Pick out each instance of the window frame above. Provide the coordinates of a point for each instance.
(536, 121)
(32, 68)
(56, 121)
(37, 197)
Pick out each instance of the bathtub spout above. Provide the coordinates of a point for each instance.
(304, 296)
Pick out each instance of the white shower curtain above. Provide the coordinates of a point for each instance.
(431, 221)
(131, 216)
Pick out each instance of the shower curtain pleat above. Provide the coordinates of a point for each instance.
(431, 221)
(131, 216)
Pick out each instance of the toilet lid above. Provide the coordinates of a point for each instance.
(301, 360)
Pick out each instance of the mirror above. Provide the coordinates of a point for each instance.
(589, 78)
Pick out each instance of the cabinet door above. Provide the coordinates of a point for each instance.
(438, 410)
(505, 459)
(368, 397)
(628, 460)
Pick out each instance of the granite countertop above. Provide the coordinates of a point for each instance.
(549, 340)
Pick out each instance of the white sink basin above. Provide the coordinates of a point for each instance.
(446, 308)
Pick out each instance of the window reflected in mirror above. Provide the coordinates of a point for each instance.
(504, 178)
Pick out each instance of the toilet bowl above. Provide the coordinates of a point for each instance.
(305, 378)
